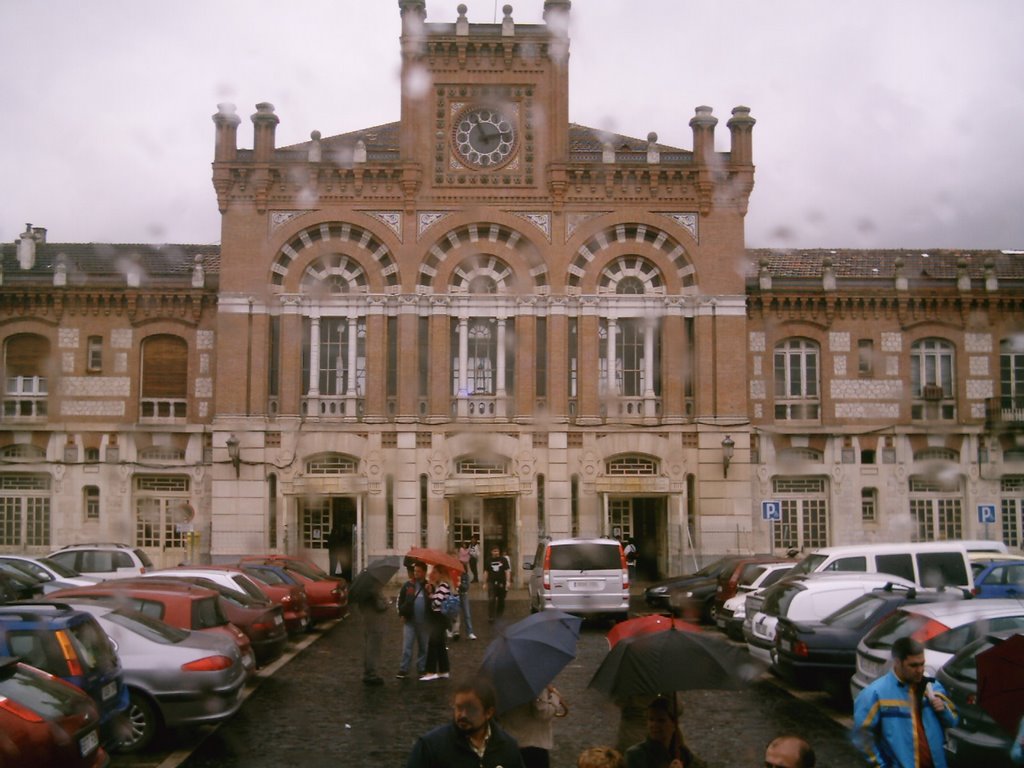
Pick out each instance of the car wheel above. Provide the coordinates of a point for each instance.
(142, 724)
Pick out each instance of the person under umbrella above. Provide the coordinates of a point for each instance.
(664, 746)
(438, 588)
(531, 725)
(367, 593)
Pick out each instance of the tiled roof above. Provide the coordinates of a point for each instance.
(935, 264)
(384, 138)
(108, 263)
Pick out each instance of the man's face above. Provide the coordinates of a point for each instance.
(419, 572)
(470, 715)
(910, 670)
(495, 551)
(660, 726)
(782, 753)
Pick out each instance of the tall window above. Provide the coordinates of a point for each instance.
(865, 358)
(936, 508)
(804, 523)
(423, 346)
(94, 354)
(389, 512)
(24, 510)
(274, 355)
(574, 357)
(483, 356)
(1012, 508)
(164, 378)
(931, 379)
(424, 509)
(796, 380)
(541, 358)
(541, 510)
(26, 358)
(392, 374)
(869, 505)
(91, 502)
(1011, 375)
(161, 509)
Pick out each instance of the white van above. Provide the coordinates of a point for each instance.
(587, 577)
(930, 564)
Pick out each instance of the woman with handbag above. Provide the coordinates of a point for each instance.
(531, 725)
(438, 589)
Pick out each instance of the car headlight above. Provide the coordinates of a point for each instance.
(686, 594)
(658, 590)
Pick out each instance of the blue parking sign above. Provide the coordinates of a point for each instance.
(771, 510)
(986, 513)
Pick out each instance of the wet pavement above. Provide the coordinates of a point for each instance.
(315, 710)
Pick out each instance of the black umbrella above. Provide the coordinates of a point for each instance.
(526, 656)
(372, 577)
(669, 661)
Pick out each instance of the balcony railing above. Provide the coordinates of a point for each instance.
(159, 410)
(334, 407)
(1009, 412)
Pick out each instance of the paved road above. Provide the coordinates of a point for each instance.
(314, 711)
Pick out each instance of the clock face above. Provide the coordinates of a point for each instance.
(484, 137)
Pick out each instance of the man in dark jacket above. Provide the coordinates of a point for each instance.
(472, 739)
(496, 584)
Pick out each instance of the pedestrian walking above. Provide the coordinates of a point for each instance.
(474, 557)
(496, 585)
(664, 746)
(335, 551)
(438, 588)
(600, 757)
(463, 554)
(899, 720)
(472, 739)
(465, 620)
(413, 608)
(630, 553)
(373, 608)
(789, 751)
(530, 724)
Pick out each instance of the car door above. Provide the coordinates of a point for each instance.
(1003, 581)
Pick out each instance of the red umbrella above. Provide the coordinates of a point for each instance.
(436, 557)
(644, 625)
(1001, 682)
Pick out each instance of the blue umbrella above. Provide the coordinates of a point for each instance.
(526, 656)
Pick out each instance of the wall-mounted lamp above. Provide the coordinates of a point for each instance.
(235, 454)
(727, 446)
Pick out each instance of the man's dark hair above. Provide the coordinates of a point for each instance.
(906, 646)
(481, 686)
(807, 757)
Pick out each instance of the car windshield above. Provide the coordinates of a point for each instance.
(855, 613)
(586, 557)
(33, 570)
(750, 574)
(143, 558)
(148, 627)
(893, 627)
(206, 613)
(809, 564)
(268, 576)
(59, 568)
(778, 598)
(93, 646)
(38, 692)
(304, 570)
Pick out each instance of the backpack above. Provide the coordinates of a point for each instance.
(450, 607)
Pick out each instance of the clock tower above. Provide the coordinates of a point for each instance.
(484, 106)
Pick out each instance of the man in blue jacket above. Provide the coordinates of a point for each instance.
(472, 739)
(900, 719)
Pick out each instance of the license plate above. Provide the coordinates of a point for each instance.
(108, 691)
(88, 743)
(278, 620)
(720, 623)
(586, 586)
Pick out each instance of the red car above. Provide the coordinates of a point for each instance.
(45, 721)
(285, 590)
(180, 605)
(327, 596)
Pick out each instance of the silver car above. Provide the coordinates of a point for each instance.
(51, 574)
(174, 677)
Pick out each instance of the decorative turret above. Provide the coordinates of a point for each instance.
(264, 123)
(703, 124)
(226, 120)
(741, 126)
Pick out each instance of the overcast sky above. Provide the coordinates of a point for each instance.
(880, 123)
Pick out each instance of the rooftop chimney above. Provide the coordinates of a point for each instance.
(27, 245)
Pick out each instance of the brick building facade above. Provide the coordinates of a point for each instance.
(484, 319)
